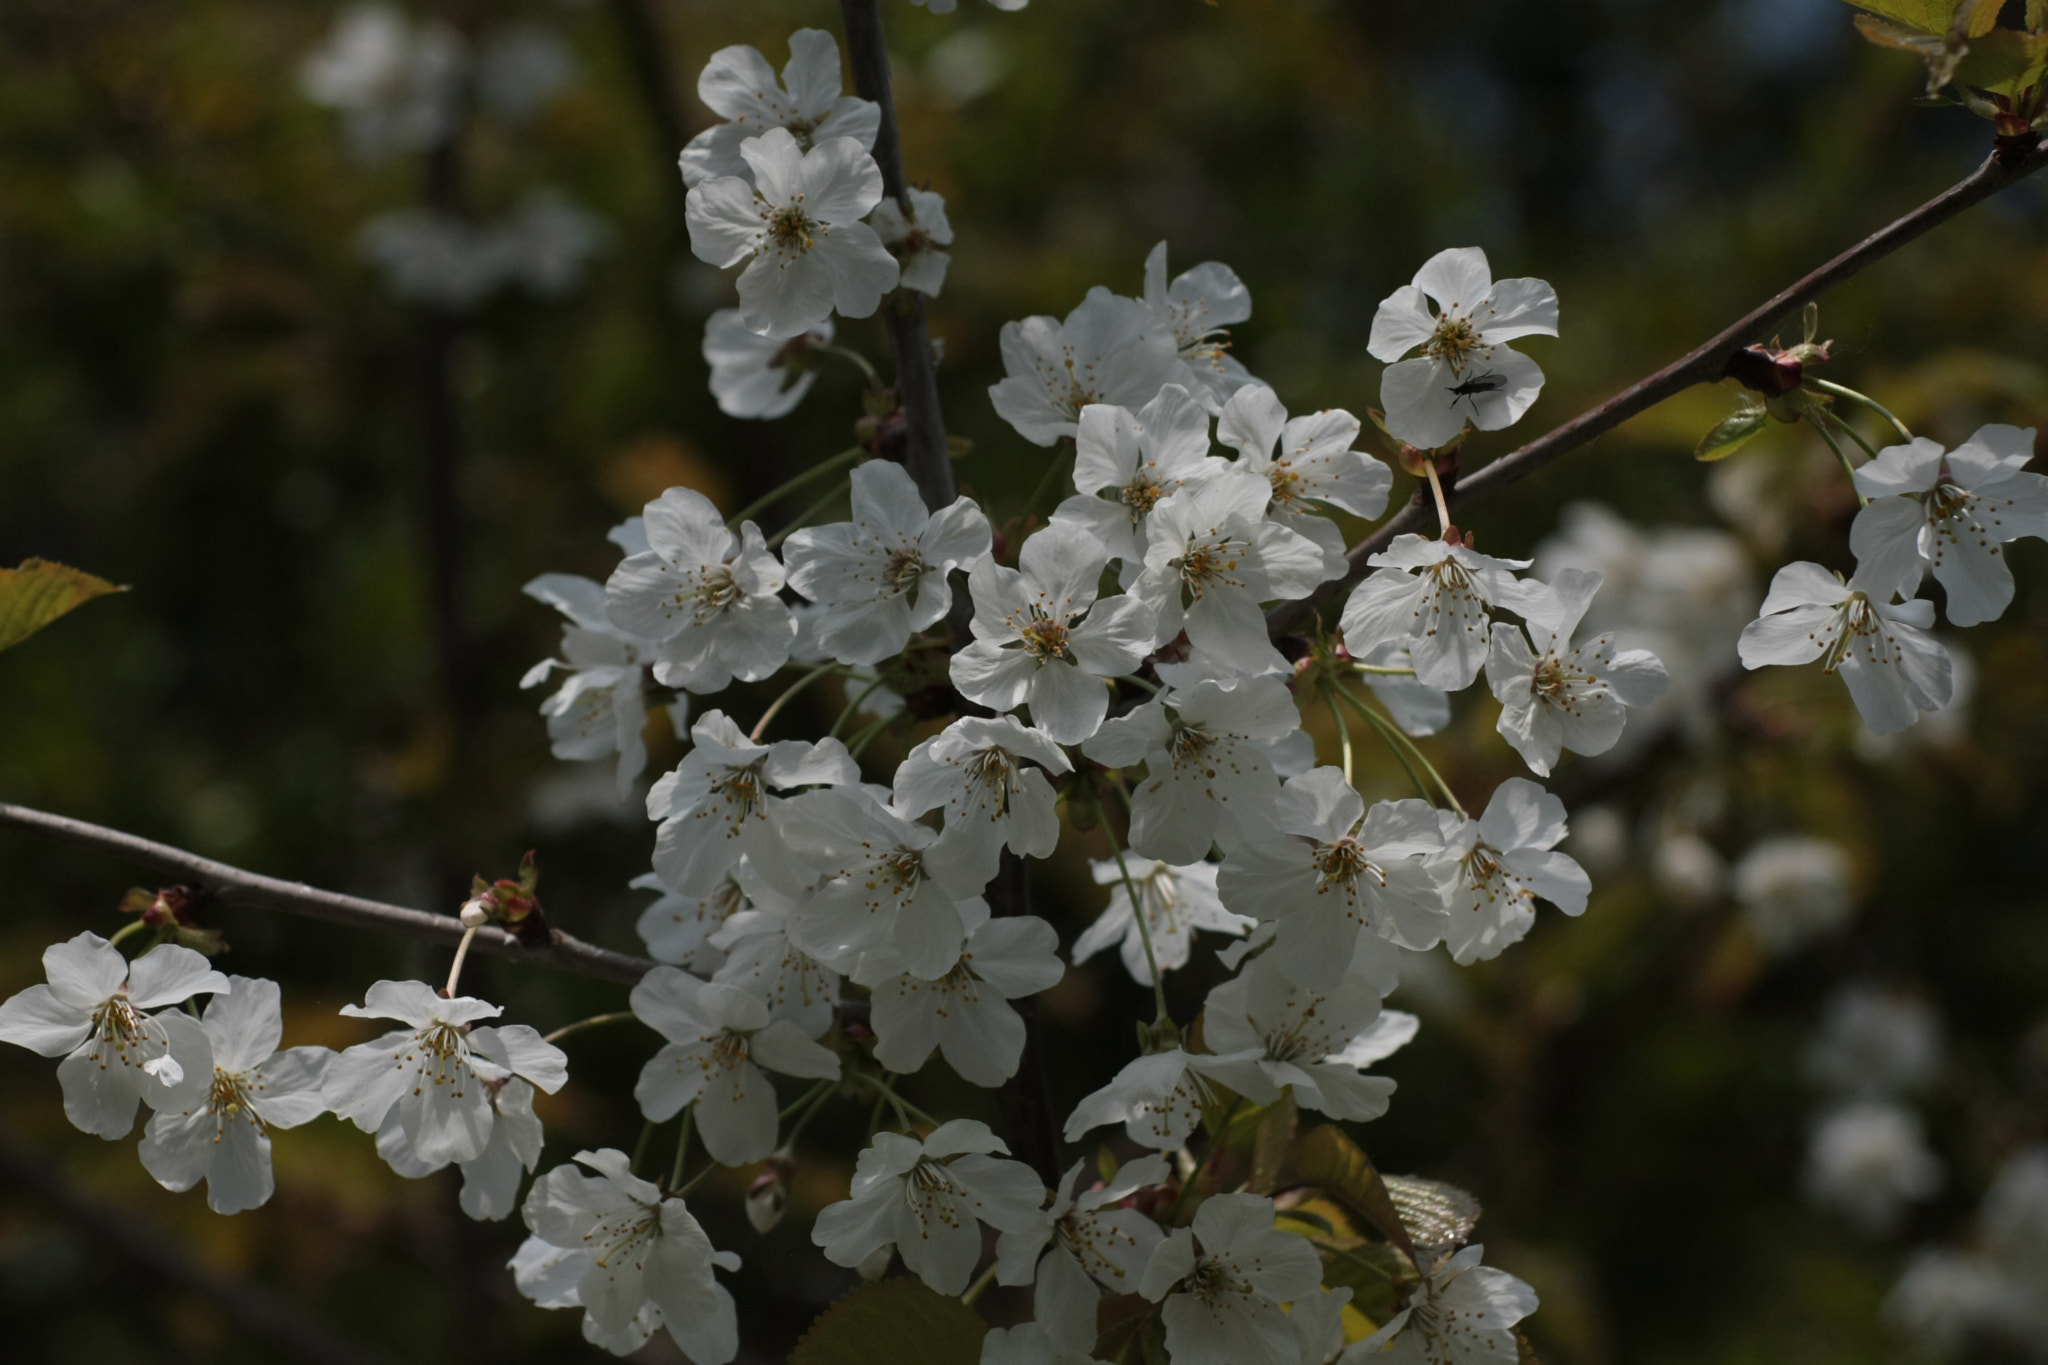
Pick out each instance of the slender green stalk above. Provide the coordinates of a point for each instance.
(870, 735)
(1050, 478)
(567, 1030)
(803, 518)
(854, 705)
(1848, 429)
(816, 471)
(847, 353)
(455, 969)
(988, 1277)
(1343, 733)
(808, 1097)
(788, 695)
(1181, 1200)
(1848, 467)
(1404, 749)
(675, 1173)
(1161, 1014)
(905, 1110)
(1383, 670)
(640, 1146)
(128, 931)
(1842, 391)
(1153, 688)
(812, 1103)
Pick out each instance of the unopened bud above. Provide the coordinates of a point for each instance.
(476, 913)
(768, 1197)
(875, 1264)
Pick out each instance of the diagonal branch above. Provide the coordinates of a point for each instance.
(1705, 364)
(564, 952)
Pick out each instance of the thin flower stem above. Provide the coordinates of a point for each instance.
(640, 1145)
(1161, 1014)
(905, 1110)
(852, 706)
(988, 1277)
(1848, 429)
(1436, 489)
(566, 1030)
(1343, 733)
(455, 969)
(128, 931)
(1050, 479)
(875, 1115)
(788, 695)
(1382, 671)
(808, 1097)
(816, 471)
(1153, 688)
(1843, 391)
(675, 1172)
(1404, 749)
(1848, 466)
(847, 353)
(690, 1186)
(803, 518)
(869, 735)
(1194, 1178)
(815, 1101)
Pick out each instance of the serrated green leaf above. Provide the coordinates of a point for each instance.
(2004, 63)
(1936, 17)
(38, 593)
(1333, 1163)
(893, 1322)
(1273, 1143)
(1733, 432)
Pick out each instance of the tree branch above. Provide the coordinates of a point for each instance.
(917, 383)
(564, 953)
(254, 1309)
(1702, 365)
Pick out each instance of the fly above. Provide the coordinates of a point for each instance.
(1491, 382)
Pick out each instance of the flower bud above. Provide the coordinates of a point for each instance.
(875, 1264)
(476, 913)
(768, 1197)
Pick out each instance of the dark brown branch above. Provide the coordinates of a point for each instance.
(232, 884)
(258, 1311)
(647, 56)
(917, 383)
(1704, 364)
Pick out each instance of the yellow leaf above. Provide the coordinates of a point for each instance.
(38, 593)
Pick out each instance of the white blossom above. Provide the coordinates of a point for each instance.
(1080, 1246)
(601, 708)
(1868, 1160)
(719, 1039)
(1177, 901)
(1197, 311)
(1415, 708)
(1307, 461)
(928, 1199)
(1466, 369)
(490, 1180)
(1028, 1343)
(1793, 888)
(883, 574)
(94, 1014)
(709, 596)
(964, 1012)
(974, 770)
(1043, 639)
(760, 376)
(1315, 1043)
(1212, 557)
(716, 807)
(1874, 1043)
(677, 929)
(1223, 1280)
(890, 884)
(437, 1072)
(1159, 1097)
(397, 85)
(1336, 869)
(917, 239)
(215, 1124)
(1495, 867)
(1951, 512)
(800, 219)
(1556, 695)
(1894, 670)
(1462, 1313)
(634, 1260)
(1436, 598)
(740, 87)
(1126, 463)
(1207, 777)
(763, 958)
(520, 67)
(1104, 352)
(948, 6)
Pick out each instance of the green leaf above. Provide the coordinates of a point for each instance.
(1937, 17)
(2037, 15)
(2004, 63)
(1333, 1163)
(1733, 432)
(38, 593)
(1271, 1144)
(893, 1322)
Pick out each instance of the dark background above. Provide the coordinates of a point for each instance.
(205, 393)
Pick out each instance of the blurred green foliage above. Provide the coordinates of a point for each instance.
(206, 393)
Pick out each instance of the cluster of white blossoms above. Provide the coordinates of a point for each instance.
(1868, 1157)
(1109, 676)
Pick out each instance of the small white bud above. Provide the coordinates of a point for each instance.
(767, 1200)
(476, 913)
(875, 1264)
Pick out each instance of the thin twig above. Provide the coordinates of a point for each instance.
(563, 952)
(1704, 364)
